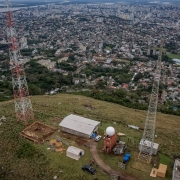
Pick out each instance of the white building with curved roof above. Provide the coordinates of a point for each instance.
(79, 126)
(74, 152)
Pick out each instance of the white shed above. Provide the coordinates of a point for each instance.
(146, 146)
(74, 152)
(79, 126)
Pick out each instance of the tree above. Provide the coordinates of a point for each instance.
(100, 84)
(165, 58)
(71, 58)
(34, 90)
(138, 77)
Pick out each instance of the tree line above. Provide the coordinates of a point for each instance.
(40, 79)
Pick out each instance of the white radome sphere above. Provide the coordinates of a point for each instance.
(110, 131)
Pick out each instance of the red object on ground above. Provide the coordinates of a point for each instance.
(109, 143)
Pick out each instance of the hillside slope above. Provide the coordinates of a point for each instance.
(61, 105)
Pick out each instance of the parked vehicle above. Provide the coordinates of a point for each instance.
(97, 138)
(89, 169)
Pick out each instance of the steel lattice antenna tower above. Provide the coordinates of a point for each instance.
(22, 101)
(146, 145)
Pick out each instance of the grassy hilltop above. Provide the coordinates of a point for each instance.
(21, 159)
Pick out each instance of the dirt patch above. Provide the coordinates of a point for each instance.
(155, 161)
(141, 166)
(80, 141)
(88, 106)
(54, 119)
(106, 168)
(37, 132)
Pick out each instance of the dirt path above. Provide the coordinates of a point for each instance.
(104, 166)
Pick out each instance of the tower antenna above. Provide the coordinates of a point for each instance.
(147, 142)
(22, 101)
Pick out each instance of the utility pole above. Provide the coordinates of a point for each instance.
(22, 101)
(146, 144)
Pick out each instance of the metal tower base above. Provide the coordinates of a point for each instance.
(145, 157)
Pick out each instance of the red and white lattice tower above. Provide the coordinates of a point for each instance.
(22, 101)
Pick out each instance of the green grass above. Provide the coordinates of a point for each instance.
(46, 108)
(156, 48)
(174, 56)
(135, 167)
(167, 161)
(164, 159)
